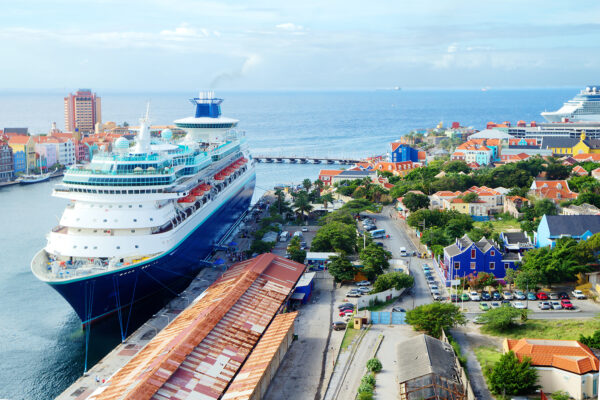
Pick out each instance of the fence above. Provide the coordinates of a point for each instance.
(388, 318)
(368, 300)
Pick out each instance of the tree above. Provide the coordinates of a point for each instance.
(357, 206)
(341, 268)
(511, 377)
(481, 280)
(396, 280)
(433, 318)
(592, 341)
(259, 247)
(296, 253)
(319, 183)
(302, 203)
(501, 318)
(374, 365)
(307, 184)
(335, 236)
(544, 207)
(471, 197)
(326, 199)
(374, 259)
(456, 166)
(557, 171)
(280, 198)
(415, 201)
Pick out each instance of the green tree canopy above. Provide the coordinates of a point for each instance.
(511, 377)
(302, 203)
(396, 280)
(433, 318)
(296, 254)
(456, 166)
(341, 268)
(335, 236)
(470, 197)
(415, 201)
(502, 318)
(374, 259)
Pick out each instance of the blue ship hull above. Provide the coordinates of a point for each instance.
(98, 296)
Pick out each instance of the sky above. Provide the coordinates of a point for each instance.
(164, 45)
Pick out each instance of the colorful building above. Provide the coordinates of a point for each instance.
(556, 191)
(82, 111)
(326, 175)
(7, 161)
(24, 155)
(466, 257)
(400, 152)
(554, 227)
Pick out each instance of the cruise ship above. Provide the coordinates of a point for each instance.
(583, 107)
(143, 218)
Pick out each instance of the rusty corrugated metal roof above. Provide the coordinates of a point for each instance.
(204, 347)
(251, 374)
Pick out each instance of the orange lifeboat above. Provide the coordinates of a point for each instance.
(187, 199)
(198, 191)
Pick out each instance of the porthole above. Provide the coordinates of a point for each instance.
(85, 247)
(137, 247)
(134, 220)
(95, 247)
(118, 247)
(105, 220)
(151, 219)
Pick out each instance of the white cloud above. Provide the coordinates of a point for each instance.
(452, 48)
(291, 27)
(184, 32)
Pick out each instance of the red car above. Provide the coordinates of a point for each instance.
(566, 304)
(343, 313)
(542, 296)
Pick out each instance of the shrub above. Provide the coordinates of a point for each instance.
(365, 396)
(365, 387)
(368, 379)
(560, 395)
(374, 365)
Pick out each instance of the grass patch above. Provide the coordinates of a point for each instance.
(500, 225)
(548, 329)
(349, 336)
(486, 355)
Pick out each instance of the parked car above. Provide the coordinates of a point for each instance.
(454, 297)
(566, 304)
(555, 305)
(544, 305)
(353, 294)
(345, 305)
(343, 313)
(542, 296)
(436, 296)
(495, 304)
(363, 283)
(398, 309)
(430, 278)
(520, 295)
(519, 305)
(506, 303)
(563, 296)
(380, 244)
(496, 296)
(434, 287)
(304, 229)
(531, 296)
(464, 297)
(484, 306)
(364, 289)
(338, 325)
(485, 296)
(427, 273)
(474, 296)
(578, 294)
(553, 296)
(507, 295)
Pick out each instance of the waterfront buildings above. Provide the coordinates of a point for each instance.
(554, 227)
(565, 365)
(82, 111)
(23, 148)
(46, 148)
(400, 152)
(480, 152)
(6, 160)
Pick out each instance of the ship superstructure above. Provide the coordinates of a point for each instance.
(142, 218)
(583, 107)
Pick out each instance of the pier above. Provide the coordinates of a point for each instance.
(307, 160)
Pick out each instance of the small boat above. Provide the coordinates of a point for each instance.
(29, 179)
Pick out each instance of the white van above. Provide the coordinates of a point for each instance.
(298, 234)
(284, 236)
(403, 252)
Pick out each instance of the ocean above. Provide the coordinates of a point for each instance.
(41, 341)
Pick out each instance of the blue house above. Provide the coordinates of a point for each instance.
(553, 227)
(20, 162)
(402, 152)
(466, 257)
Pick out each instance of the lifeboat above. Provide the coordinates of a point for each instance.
(219, 176)
(205, 187)
(187, 199)
(198, 191)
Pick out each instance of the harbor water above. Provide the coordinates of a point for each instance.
(41, 340)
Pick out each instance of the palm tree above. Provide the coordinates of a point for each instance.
(280, 196)
(319, 183)
(327, 198)
(307, 184)
(302, 203)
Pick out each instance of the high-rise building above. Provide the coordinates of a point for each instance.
(82, 111)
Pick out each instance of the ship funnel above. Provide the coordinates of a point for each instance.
(143, 136)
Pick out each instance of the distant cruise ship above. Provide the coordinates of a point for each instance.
(583, 107)
(143, 218)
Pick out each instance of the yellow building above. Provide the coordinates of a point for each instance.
(570, 146)
(26, 145)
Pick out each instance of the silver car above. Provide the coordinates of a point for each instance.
(555, 305)
(544, 305)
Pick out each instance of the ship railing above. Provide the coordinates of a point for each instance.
(160, 171)
(127, 157)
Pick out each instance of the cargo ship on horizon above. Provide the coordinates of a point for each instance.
(141, 219)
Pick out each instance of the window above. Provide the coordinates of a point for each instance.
(492, 265)
(492, 253)
(473, 253)
(506, 266)
(457, 265)
(472, 265)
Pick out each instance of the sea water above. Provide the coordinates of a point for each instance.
(41, 341)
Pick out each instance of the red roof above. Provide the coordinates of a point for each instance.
(568, 355)
(199, 352)
(19, 139)
(330, 172)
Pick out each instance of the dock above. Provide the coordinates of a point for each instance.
(307, 160)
